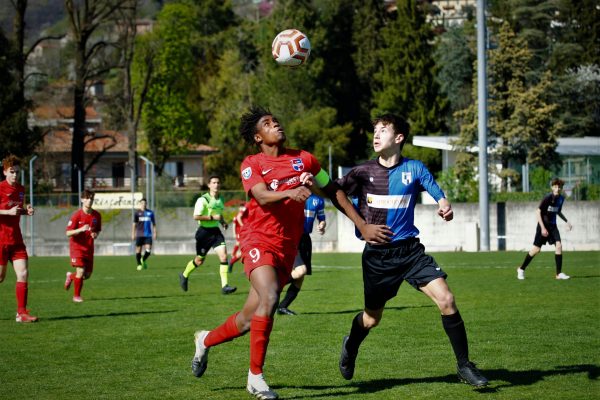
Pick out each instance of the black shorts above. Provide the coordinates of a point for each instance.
(207, 238)
(385, 267)
(552, 238)
(304, 255)
(143, 240)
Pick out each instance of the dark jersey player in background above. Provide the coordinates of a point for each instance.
(547, 230)
(143, 231)
(387, 189)
(314, 208)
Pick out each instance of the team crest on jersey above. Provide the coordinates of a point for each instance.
(297, 164)
(407, 177)
(247, 173)
(274, 184)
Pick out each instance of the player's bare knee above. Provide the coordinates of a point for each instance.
(370, 321)
(446, 303)
(299, 272)
(558, 248)
(534, 251)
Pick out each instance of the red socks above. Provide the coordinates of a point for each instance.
(223, 333)
(21, 293)
(78, 284)
(260, 331)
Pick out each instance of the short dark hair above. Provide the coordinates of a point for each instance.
(87, 194)
(401, 125)
(210, 178)
(557, 181)
(143, 199)
(249, 122)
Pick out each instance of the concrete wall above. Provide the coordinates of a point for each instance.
(176, 230)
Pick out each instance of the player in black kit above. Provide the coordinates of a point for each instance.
(547, 230)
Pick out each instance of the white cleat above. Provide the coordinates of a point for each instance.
(200, 360)
(520, 274)
(562, 276)
(259, 388)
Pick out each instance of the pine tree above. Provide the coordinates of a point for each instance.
(406, 78)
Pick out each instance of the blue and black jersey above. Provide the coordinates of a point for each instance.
(550, 207)
(387, 196)
(313, 208)
(143, 221)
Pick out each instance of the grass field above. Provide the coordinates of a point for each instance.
(132, 338)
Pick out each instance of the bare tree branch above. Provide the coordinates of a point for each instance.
(40, 40)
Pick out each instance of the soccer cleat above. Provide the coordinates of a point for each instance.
(68, 281)
(228, 289)
(520, 274)
(200, 360)
(285, 311)
(77, 299)
(183, 282)
(347, 361)
(25, 317)
(562, 276)
(469, 373)
(259, 388)
(139, 267)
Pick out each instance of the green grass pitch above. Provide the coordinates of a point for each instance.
(132, 338)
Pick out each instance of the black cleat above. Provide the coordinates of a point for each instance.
(347, 361)
(469, 373)
(228, 289)
(285, 311)
(183, 282)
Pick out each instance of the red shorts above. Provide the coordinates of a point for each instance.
(86, 263)
(12, 252)
(283, 263)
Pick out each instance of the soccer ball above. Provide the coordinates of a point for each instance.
(290, 48)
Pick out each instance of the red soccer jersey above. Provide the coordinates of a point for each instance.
(10, 196)
(277, 226)
(82, 244)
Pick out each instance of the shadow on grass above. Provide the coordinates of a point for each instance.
(112, 314)
(139, 297)
(585, 276)
(354, 311)
(507, 379)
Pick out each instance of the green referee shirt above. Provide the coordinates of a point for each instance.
(208, 205)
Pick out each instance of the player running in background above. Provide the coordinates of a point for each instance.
(547, 230)
(208, 211)
(276, 181)
(238, 222)
(143, 231)
(83, 228)
(387, 189)
(314, 207)
(12, 247)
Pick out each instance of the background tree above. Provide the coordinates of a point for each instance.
(406, 79)
(17, 137)
(87, 20)
(455, 56)
(521, 123)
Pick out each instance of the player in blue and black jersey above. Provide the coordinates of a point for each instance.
(314, 208)
(387, 189)
(143, 231)
(547, 230)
